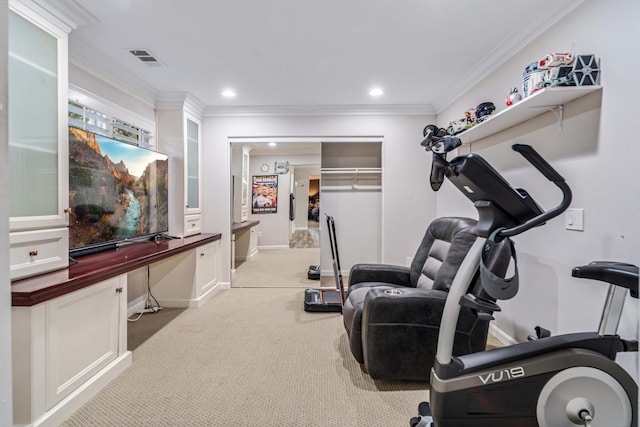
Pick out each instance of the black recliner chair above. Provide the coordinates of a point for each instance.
(392, 313)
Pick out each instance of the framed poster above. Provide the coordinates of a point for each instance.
(264, 197)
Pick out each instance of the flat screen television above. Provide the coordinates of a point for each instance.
(117, 192)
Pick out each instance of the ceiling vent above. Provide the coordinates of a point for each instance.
(146, 57)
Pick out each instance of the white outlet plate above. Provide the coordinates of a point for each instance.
(574, 219)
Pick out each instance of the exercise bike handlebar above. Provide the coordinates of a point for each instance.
(552, 175)
(440, 144)
(537, 161)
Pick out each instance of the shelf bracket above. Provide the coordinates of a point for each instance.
(557, 110)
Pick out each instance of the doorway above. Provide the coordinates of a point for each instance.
(284, 245)
(306, 233)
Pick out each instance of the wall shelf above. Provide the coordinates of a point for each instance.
(549, 99)
(351, 179)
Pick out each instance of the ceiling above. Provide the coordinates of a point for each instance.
(301, 55)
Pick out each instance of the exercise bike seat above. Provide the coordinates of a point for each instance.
(616, 273)
(608, 346)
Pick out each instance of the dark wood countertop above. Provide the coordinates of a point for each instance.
(95, 268)
(239, 226)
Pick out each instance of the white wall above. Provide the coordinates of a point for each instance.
(597, 152)
(6, 406)
(407, 207)
(273, 230)
(143, 110)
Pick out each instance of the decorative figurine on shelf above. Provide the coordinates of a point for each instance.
(586, 70)
(513, 97)
(484, 110)
(555, 59)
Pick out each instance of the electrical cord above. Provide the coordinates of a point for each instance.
(148, 304)
(149, 294)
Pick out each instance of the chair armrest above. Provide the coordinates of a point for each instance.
(400, 332)
(409, 306)
(381, 273)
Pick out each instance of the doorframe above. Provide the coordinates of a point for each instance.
(306, 139)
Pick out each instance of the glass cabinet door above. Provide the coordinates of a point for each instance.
(37, 126)
(192, 165)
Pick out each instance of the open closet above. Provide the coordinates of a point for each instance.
(351, 188)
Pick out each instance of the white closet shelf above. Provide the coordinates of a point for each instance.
(350, 171)
(548, 99)
(357, 176)
(350, 187)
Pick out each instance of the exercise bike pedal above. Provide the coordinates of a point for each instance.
(629, 345)
(424, 418)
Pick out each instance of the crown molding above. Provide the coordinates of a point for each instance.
(179, 101)
(68, 14)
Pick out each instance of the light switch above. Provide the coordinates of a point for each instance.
(574, 219)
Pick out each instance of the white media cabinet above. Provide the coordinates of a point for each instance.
(69, 327)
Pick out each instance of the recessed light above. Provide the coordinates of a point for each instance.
(272, 144)
(376, 91)
(228, 93)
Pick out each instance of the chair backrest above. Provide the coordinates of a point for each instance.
(443, 247)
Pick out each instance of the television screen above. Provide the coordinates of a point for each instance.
(117, 191)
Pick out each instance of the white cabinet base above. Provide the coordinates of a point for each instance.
(66, 349)
(246, 244)
(188, 279)
(74, 401)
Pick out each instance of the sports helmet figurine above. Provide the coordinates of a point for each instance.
(484, 110)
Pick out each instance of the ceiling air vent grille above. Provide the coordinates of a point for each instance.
(146, 57)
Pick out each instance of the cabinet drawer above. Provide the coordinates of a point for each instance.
(39, 251)
(192, 225)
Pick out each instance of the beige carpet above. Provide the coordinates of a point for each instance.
(250, 357)
(277, 267)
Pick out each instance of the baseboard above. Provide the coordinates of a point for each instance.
(267, 248)
(210, 293)
(248, 257)
(501, 335)
(67, 406)
(194, 302)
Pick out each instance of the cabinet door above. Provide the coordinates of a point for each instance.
(37, 81)
(206, 266)
(83, 336)
(192, 164)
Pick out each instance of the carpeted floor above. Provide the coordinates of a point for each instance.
(250, 357)
(277, 268)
